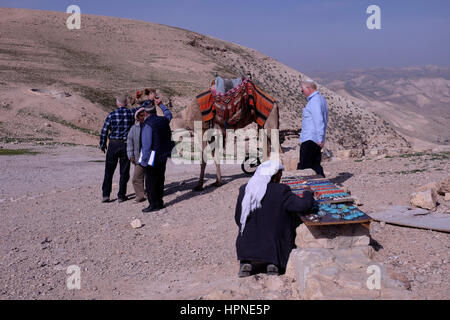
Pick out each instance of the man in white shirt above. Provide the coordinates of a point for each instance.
(314, 126)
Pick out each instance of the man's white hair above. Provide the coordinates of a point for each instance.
(309, 83)
(122, 100)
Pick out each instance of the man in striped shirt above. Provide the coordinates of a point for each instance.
(117, 125)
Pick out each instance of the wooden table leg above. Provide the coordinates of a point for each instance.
(366, 225)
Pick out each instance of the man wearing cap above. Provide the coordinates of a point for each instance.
(157, 146)
(134, 145)
(117, 125)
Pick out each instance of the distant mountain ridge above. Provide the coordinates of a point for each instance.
(415, 100)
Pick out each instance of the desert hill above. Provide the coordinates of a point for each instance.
(415, 100)
(75, 74)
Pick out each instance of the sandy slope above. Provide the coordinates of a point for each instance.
(109, 56)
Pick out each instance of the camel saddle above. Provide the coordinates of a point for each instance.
(230, 101)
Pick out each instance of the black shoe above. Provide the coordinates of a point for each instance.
(122, 199)
(105, 200)
(245, 270)
(272, 270)
(151, 208)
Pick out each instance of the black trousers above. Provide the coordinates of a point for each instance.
(117, 152)
(154, 182)
(310, 157)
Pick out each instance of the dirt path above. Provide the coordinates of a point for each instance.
(185, 251)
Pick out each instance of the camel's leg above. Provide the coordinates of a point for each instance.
(201, 179)
(199, 186)
(218, 182)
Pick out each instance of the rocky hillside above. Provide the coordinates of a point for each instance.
(75, 74)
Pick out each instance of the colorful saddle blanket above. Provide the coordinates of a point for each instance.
(229, 108)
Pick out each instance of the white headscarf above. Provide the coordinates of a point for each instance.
(256, 188)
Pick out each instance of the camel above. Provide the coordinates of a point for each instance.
(192, 113)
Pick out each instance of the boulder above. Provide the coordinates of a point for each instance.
(445, 185)
(447, 196)
(424, 199)
(332, 237)
(340, 274)
(433, 186)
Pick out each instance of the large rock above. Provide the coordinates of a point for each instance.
(433, 186)
(340, 274)
(332, 237)
(445, 185)
(424, 199)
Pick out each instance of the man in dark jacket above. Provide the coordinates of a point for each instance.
(157, 146)
(266, 213)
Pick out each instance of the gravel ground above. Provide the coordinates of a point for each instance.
(52, 218)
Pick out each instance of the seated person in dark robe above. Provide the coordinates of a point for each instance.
(267, 216)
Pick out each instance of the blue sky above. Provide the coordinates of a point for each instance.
(307, 35)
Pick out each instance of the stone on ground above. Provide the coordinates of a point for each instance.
(424, 199)
(445, 185)
(340, 274)
(433, 186)
(136, 224)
